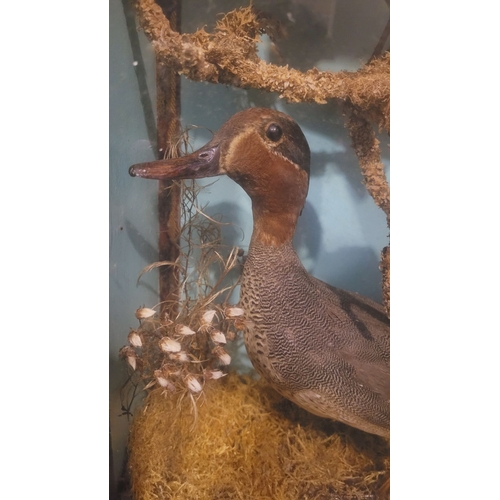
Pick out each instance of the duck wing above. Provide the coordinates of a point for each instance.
(365, 344)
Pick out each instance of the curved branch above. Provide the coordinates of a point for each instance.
(367, 149)
(229, 56)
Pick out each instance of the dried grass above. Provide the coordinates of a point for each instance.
(175, 347)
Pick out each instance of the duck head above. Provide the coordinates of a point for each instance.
(266, 153)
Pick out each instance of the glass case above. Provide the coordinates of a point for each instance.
(341, 232)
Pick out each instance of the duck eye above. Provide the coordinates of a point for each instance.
(274, 132)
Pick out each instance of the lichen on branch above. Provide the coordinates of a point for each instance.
(229, 56)
(367, 149)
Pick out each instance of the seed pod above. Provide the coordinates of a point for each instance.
(233, 312)
(129, 354)
(183, 330)
(169, 345)
(164, 381)
(223, 356)
(192, 384)
(218, 337)
(206, 319)
(179, 356)
(134, 339)
(144, 313)
(214, 374)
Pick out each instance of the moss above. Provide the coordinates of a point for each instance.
(247, 442)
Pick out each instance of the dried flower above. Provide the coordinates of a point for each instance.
(129, 354)
(214, 374)
(126, 351)
(222, 354)
(144, 313)
(134, 339)
(193, 384)
(169, 345)
(179, 356)
(184, 330)
(207, 318)
(233, 312)
(164, 381)
(218, 337)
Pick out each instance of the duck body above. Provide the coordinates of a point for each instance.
(323, 348)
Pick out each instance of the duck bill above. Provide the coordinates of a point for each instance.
(202, 163)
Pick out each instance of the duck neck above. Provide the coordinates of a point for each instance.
(273, 228)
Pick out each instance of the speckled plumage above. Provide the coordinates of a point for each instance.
(323, 348)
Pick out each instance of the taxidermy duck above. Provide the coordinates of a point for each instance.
(323, 348)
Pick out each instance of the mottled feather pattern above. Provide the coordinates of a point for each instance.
(324, 348)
